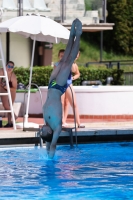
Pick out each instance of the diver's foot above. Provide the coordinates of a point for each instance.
(73, 31)
(78, 27)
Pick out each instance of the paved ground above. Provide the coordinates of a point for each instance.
(90, 124)
(96, 130)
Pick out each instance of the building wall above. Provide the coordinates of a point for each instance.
(20, 51)
(20, 47)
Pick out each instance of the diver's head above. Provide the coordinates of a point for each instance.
(46, 130)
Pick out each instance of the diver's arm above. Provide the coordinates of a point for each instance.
(48, 147)
(54, 142)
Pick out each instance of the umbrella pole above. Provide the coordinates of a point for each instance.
(30, 79)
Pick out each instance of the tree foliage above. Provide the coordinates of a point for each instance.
(121, 14)
(120, 39)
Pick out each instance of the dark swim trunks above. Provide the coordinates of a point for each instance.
(53, 84)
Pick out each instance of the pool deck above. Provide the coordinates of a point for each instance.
(95, 130)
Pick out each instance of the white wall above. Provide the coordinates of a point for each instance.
(104, 100)
(98, 100)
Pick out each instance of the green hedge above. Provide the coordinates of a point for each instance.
(24, 91)
(41, 75)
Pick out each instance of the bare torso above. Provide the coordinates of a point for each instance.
(52, 109)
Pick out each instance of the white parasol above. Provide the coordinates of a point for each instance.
(38, 28)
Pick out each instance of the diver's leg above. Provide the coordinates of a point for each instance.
(70, 42)
(75, 47)
(54, 140)
(54, 73)
(56, 70)
(66, 66)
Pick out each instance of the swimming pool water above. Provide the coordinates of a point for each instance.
(89, 172)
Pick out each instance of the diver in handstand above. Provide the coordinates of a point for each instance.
(52, 109)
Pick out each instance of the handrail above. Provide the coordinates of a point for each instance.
(110, 63)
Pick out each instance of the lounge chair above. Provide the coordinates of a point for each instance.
(9, 5)
(27, 6)
(41, 6)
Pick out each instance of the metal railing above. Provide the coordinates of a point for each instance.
(111, 64)
(63, 10)
(20, 7)
(128, 78)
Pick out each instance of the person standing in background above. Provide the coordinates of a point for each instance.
(66, 98)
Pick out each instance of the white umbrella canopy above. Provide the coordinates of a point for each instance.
(44, 28)
(38, 28)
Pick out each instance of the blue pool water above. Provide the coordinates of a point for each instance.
(89, 172)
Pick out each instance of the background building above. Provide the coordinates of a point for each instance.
(18, 48)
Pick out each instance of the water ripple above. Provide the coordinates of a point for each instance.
(91, 171)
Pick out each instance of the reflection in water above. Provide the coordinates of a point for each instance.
(88, 172)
